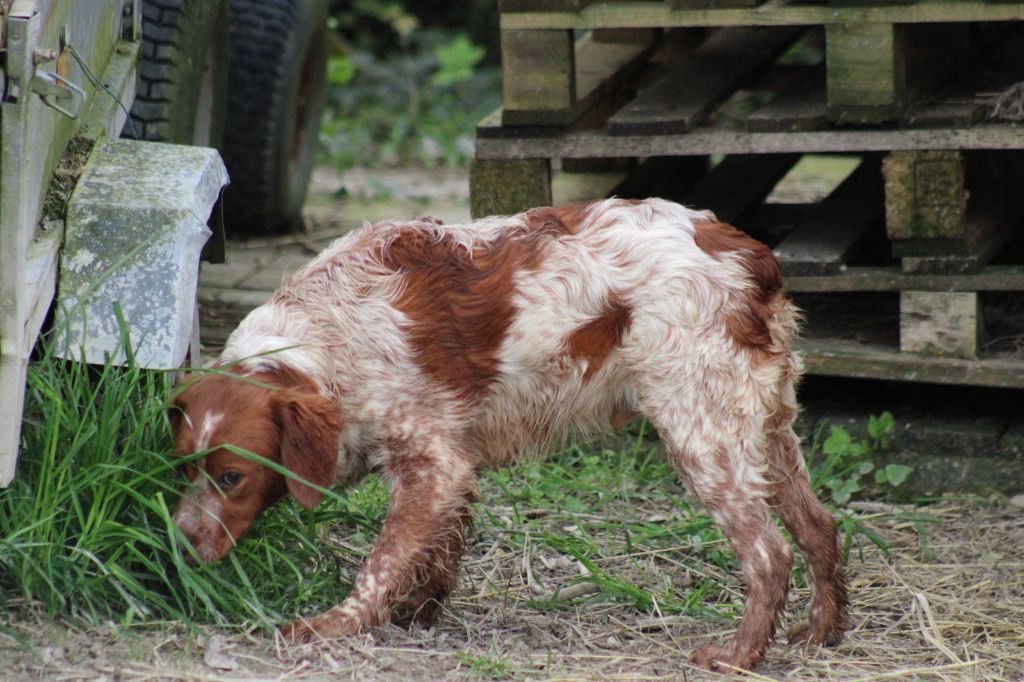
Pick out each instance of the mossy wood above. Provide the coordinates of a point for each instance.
(945, 215)
(866, 72)
(509, 186)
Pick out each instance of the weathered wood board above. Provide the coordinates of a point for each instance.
(831, 232)
(940, 323)
(698, 82)
(550, 79)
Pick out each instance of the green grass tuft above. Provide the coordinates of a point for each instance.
(86, 530)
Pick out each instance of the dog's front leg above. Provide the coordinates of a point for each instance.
(430, 489)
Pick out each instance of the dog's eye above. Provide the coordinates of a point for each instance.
(229, 479)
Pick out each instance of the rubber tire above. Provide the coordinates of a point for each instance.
(276, 94)
(183, 77)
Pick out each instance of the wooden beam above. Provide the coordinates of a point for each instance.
(700, 81)
(497, 142)
(662, 14)
(538, 71)
(866, 72)
(851, 359)
(873, 278)
(716, 4)
(832, 231)
(546, 82)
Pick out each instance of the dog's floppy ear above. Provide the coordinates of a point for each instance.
(310, 426)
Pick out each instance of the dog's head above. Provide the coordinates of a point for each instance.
(282, 419)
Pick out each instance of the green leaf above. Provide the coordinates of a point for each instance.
(456, 61)
(340, 70)
(838, 442)
(897, 473)
(843, 493)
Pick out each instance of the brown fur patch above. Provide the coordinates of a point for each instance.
(461, 303)
(749, 325)
(596, 339)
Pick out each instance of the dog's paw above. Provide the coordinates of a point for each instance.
(724, 657)
(328, 625)
(807, 635)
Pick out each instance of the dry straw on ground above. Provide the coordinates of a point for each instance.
(951, 609)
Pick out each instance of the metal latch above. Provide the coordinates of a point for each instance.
(58, 93)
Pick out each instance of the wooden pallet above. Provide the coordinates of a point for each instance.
(879, 55)
(929, 220)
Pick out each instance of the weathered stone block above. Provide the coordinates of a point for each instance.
(136, 224)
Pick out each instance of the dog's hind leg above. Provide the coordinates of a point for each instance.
(716, 442)
(811, 526)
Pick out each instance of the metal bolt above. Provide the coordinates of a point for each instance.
(41, 56)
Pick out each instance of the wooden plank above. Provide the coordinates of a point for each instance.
(791, 111)
(538, 71)
(739, 182)
(40, 279)
(961, 113)
(873, 278)
(850, 359)
(867, 77)
(832, 231)
(536, 77)
(714, 4)
(508, 186)
(542, 5)
(805, 110)
(582, 144)
(658, 13)
(699, 81)
(940, 323)
(868, 3)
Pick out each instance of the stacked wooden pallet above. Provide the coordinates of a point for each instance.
(712, 102)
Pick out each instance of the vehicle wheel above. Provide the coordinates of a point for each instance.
(182, 86)
(276, 93)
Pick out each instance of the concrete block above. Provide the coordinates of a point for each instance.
(136, 224)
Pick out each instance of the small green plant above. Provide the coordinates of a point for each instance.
(489, 667)
(844, 461)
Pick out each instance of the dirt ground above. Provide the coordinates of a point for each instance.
(950, 609)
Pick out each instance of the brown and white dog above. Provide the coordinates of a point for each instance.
(426, 351)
